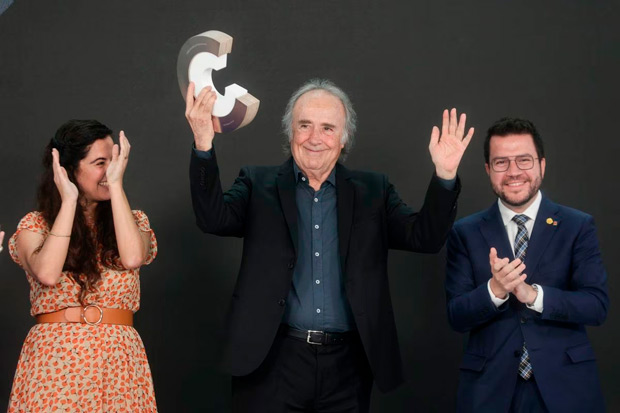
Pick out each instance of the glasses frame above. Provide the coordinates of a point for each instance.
(512, 159)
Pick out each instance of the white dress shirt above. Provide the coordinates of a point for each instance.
(511, 229)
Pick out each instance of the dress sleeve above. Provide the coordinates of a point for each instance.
(34, 222)
(145, 226)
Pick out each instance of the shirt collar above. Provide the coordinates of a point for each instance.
(530, 212)
(331, 178)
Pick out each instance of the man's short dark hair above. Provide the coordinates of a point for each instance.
(514, 126)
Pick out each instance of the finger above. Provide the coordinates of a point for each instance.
(200, 100)
(513, 284)
(63, 173)
(445, 121)
(121, 144)
(460, 128)
(125, 146)
(211, 101)
(517, 271)
(467, 138)
(55, 157)
(115, 153)
(434, 137)
(55, 161)
(511, 266)
(492, 256)
(199, 105)
(507, 275)
(509, 282)
(453, 122)
(514, 274)
(189, 98)
(500, 264)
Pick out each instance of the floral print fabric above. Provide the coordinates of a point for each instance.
(71, 367)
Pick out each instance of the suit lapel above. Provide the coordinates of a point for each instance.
(286, 184)
(494, 232)
(541, 235)
(345, 197)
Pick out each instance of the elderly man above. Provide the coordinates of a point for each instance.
(524, 278)
(311, 323)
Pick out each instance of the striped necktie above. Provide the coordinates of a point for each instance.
(521, 241)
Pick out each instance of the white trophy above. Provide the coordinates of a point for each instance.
(199, 56)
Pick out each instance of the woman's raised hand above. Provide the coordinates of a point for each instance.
(68, 191)
(120, 157)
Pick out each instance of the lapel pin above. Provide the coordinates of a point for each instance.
(555, 223)
(550, 221)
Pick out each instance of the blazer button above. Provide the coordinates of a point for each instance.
(517, 353)
(291, 265)
(281, 302)
(523, 320)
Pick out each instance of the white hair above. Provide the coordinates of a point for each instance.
(325, 85)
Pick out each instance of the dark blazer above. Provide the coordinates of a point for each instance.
(564, 258)
(260, 207)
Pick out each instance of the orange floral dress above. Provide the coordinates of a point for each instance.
(74, 367)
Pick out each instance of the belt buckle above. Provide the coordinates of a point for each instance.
(83, 315)
(310, 334)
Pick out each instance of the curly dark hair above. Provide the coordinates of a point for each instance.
(73, 141)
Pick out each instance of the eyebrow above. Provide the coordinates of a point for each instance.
(101, 158)
(513, 156)
(305, 122)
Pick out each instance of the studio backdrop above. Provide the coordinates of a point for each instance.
(402, 62)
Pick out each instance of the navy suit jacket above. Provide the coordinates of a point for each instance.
(564, 258)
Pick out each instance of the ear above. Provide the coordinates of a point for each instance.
(486, 168)
(543, 164)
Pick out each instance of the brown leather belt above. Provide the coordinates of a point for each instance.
(90, 314)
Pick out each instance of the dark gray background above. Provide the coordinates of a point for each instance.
(554, 62)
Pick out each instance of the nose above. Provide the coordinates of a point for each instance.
(513, 169)
(315, 136)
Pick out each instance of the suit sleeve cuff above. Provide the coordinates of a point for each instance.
(202, 154)
(497, 301)
(449, 184)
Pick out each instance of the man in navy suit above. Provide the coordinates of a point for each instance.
(524, 278)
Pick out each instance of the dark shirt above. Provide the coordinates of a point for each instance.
(317, 299)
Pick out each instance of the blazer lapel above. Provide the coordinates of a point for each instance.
(494, 232)
(286, 184)
(345, 197)
(544, 229)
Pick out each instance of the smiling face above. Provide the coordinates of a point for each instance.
(90, 175)
(318, 125)
(515, 187)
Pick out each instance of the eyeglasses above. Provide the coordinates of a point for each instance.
(523, 162)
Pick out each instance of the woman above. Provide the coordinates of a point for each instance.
(82, 251)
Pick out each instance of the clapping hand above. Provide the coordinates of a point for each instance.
(68, 191)
(507, 275)
(120, 157)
